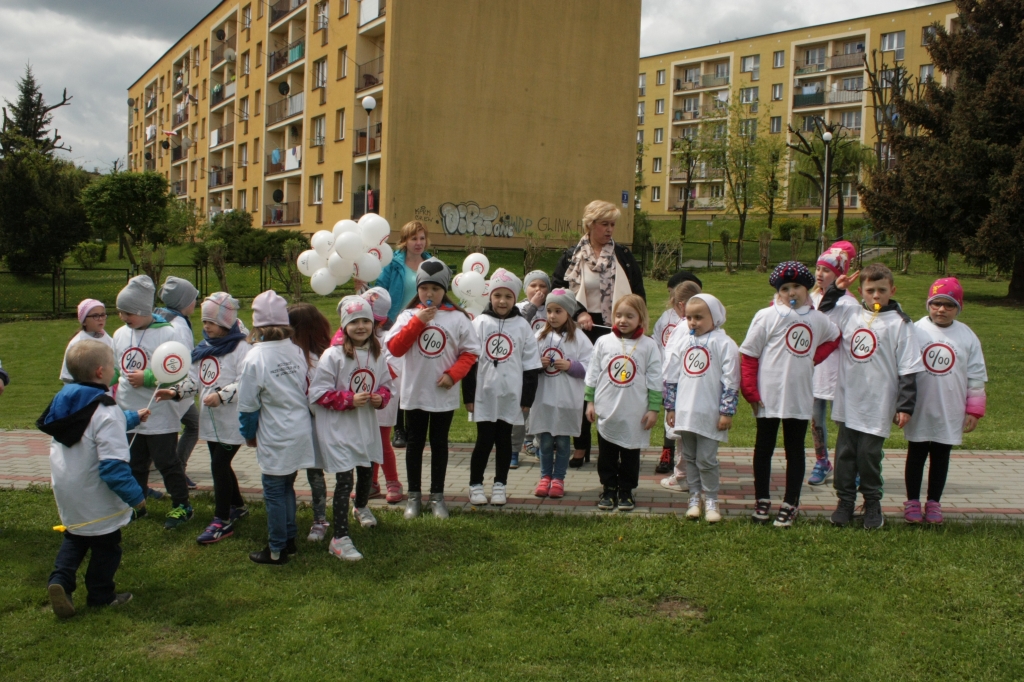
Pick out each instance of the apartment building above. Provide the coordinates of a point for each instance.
(794, 76)
(260, 108)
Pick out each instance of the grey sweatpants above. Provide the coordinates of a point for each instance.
(701, 457)
(858, 453)
(519, 436)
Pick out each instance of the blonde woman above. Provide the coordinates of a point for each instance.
(399, 277)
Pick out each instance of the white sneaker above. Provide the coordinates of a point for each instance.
(344, 549)
(693, 513)
(364, 516)
(498, 494)
(318, 531)
(711, 514)
(674, 484)
(476, 495)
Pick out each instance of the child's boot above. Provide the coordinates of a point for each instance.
(438, 506)
(344, 549)
(498, 494)
(607, 501)
(394, 495)
(626, 502)
(364, 516)
(912, 511)
(873, 517)
(665, 463)
(787, 515)
(477, 497)
(318, 531)
(843, 514)
(413, 505)
(60, 601)
(762, 509)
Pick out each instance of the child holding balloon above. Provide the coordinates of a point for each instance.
(156, 439)
(92, 316)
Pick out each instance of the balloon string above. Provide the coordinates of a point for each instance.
(132, 441)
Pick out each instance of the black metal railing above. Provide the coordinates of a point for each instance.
(221, 177)
(279, 10)
(370, 74)
(285, 108)
(289, 54)
(281, 214)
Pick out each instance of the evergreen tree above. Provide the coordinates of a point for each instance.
(26, 121)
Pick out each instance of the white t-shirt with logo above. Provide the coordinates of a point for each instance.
(388, 417)
(558, 407)
(219, 424)
(509, 348)
(874, 354)
(621, 372)
(785, 339)
(436, 349)
(951, 356)
(65, 375)
(702, 367)
(349, 438)
(827, 371)
(273, 382)
(133, 351)
(539, 320)
(663, 329)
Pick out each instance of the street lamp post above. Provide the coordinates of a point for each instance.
(369, 103)
(827, 139)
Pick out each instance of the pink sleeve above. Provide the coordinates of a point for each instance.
(337, 400)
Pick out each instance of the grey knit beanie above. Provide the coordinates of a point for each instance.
(563, 298)
(536, 274)
(434, 271)
(178, 293)
(137, 296)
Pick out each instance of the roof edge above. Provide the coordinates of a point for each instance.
(175, 44)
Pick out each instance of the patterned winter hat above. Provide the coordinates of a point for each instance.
(380, 300)
(434, 271)
(535, 275)
(948, 288)
(791, 271)
(838, 257)
(221, 308)
(503, 279)
(352, 308)
(564, 299)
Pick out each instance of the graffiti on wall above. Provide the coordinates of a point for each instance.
(467, 218)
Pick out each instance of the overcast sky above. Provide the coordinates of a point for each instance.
(97, 48)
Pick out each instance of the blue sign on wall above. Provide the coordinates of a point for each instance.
(625, 198)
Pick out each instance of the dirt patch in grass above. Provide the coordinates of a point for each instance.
(677, 607)
(172, 644)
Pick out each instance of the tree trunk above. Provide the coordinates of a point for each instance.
(127, 246)
(120, 247)
(739, 240)
(839, 217)
(1016, 289)
(686, 206)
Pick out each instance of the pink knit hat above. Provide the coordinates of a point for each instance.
(221, 309)
(85, 306)
(380, 300)
(948, 288)
(269, 310)
(838, 257)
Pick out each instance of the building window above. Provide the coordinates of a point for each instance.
(206, 48)
(339, 124)
(256, 190)
(342, 62)
(656, 165)
(259, 48)
(779, 59)
(643, 84)
(850, 119)
(776, 124)
(748, 95)
(691, 104)
(245, 63)
(322, 16)
(927, 73)
(722, 70)
(809, 125)
(243, 155)
(256, 101)
(748, 127)
(240, 202)
(887, 77)
(320, 73)
(816, 56)
(316, 189)
(661, 77)
(655, 193)
(659, 106)
(927, 35)
(692, 75)
(640, 137)
(751, 65)
(339, 186)
(259, 15)
(256, 149)
(641, 106)
(319, 131)
(854, 84)
(717, 191)
(247, 16)
(894, 42)
(777, 92)
(659, 135)
(344, 8)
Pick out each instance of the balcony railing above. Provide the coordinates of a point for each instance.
(281, 214)
(217, 56)
(370, 74)
(179, 187)
(286, 55)
(179, 154)
(700, 203)
(281, 160)
(279, 10)
(221, 92)
(846, 61)
(286, 108)
(699, 173)
(374, 147)
(222, 135)
(149, 165)
(180, 117)
(812, 100)
(151, 103)
(222, 177)
(682, 85)
(713, 81)
(683, 115)
(804, 68)
(844, 96)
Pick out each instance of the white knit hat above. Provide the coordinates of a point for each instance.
(269, 310)
(353, 308)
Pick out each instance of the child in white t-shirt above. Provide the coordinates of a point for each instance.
(784, 343)
(501, 386)
(623, 394)
(702, 379)
(180, 298)
(387, 416)
(274, 416)
(557, 412)
(92, 316)
(536, 285)
(950, 397)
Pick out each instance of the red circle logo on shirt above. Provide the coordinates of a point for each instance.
(938, 358)
(666, 334)
(362, 381)
(552, 354)
(862, 344)
(498, 347)
(799, 339)
(621, 370)
(133, 360)
(209, 370)
(432, 341)
(696, 361)
(538, 324)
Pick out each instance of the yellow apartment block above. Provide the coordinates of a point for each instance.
(797, 76)
(490, 119)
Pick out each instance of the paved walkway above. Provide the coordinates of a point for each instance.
(983, 484)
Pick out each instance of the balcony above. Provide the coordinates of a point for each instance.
(149, 165)
(804, 68)
(286, 55)
(846, 61)
(844, 96)
(221, 92)
(222, 135)
(180, 117)
(713, 81)
(179, 154)
(285, 108)
(700, 203)
(370, 74)
(281, 214)
(701, 172)
(370, 10)
(683, 85)
(374, 146)
(283, 160)
(151, 104)
(279, 10)
(179, 187)
(219, 53)
(221, 178)
(814, 99)
(179, 82)
(682, 115)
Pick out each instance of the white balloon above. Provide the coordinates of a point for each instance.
(343, 226)
(323, 242)
(473, 284)
(474, 308)
(340, 268)
(367, 217)
(384, 253)
(171, 362)
(367, 268)
(310, 261)
(349, 246)
(457, 287)
(375, 230)
(323, 282)
(476, 262)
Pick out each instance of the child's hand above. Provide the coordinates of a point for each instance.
(212, 400)
(563, 365)
(724, 422)
(137, 378)
(360, 399)
(161, 393)
(446, 382)
(585, 322)
(545, 361)
(526, 411)
(844, 281)
(970, 423)
(591, 413)
(376, 399)
(469, 407)
(425, 315)
(251, 442)
(144, 415)
(757, 407)
(670, 418)
(901, 419)
(649, 419)
(538, 298)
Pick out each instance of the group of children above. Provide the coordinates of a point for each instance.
(305, 398)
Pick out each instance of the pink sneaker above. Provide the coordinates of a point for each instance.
(374, 492)
(932, 512)
(557, 488)
(912, 511)
(543, 487)
(394, 492)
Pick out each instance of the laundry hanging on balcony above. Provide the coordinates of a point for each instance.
(293, 160)
(275, 157)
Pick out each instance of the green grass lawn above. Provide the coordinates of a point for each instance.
(527, 597)
(32, 351)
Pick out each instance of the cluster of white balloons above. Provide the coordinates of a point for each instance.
(471, 286)
(351, 249)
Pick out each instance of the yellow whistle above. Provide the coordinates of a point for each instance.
(878, 306)
(623, 375)
(60, 529)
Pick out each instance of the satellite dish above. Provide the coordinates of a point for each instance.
(165, 144)
(229, 54)
(220, 34)
(175, 142)
(131, 101)
(278, 196)
(283, 88)
(149, 156)
(187, 142)
(295, 131)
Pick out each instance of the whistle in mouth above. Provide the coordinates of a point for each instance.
(878, 306)
(430, 302)
(792, 303)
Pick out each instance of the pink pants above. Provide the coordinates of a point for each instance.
(390, 464)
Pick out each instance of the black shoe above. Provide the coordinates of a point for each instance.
(398, 438)
(873, 517)
(60, 601)
(192, 485)
(607, 501)
(586, 458)
(761, 512)
(121, 599)
(665, 463)
(575, 463)
(263, 557)
(290, 547)
(843, 514)
(626, 502)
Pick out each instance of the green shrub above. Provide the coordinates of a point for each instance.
(245, 244)
(789, 225)
(88, 254)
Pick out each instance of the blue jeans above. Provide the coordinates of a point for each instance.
(279, 498)
(554, 455)
(99, 577)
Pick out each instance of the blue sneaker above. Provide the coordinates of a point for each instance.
(822, 471)
(154, 494)
(238, 513)
(215, 532)
(529, 447)
(515, 461)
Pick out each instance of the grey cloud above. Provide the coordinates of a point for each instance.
(166, 19)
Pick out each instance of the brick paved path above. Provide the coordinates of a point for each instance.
(985, 484)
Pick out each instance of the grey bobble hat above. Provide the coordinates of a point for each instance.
(353, 308)
(564, 299)
(434, 271)
(178, 293)
(535, 275)
(137, 296)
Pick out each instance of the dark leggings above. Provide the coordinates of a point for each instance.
(917, 453)
(342, 491)
(793, 433)
(497, 435)
(225, 484)
(416, 424)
